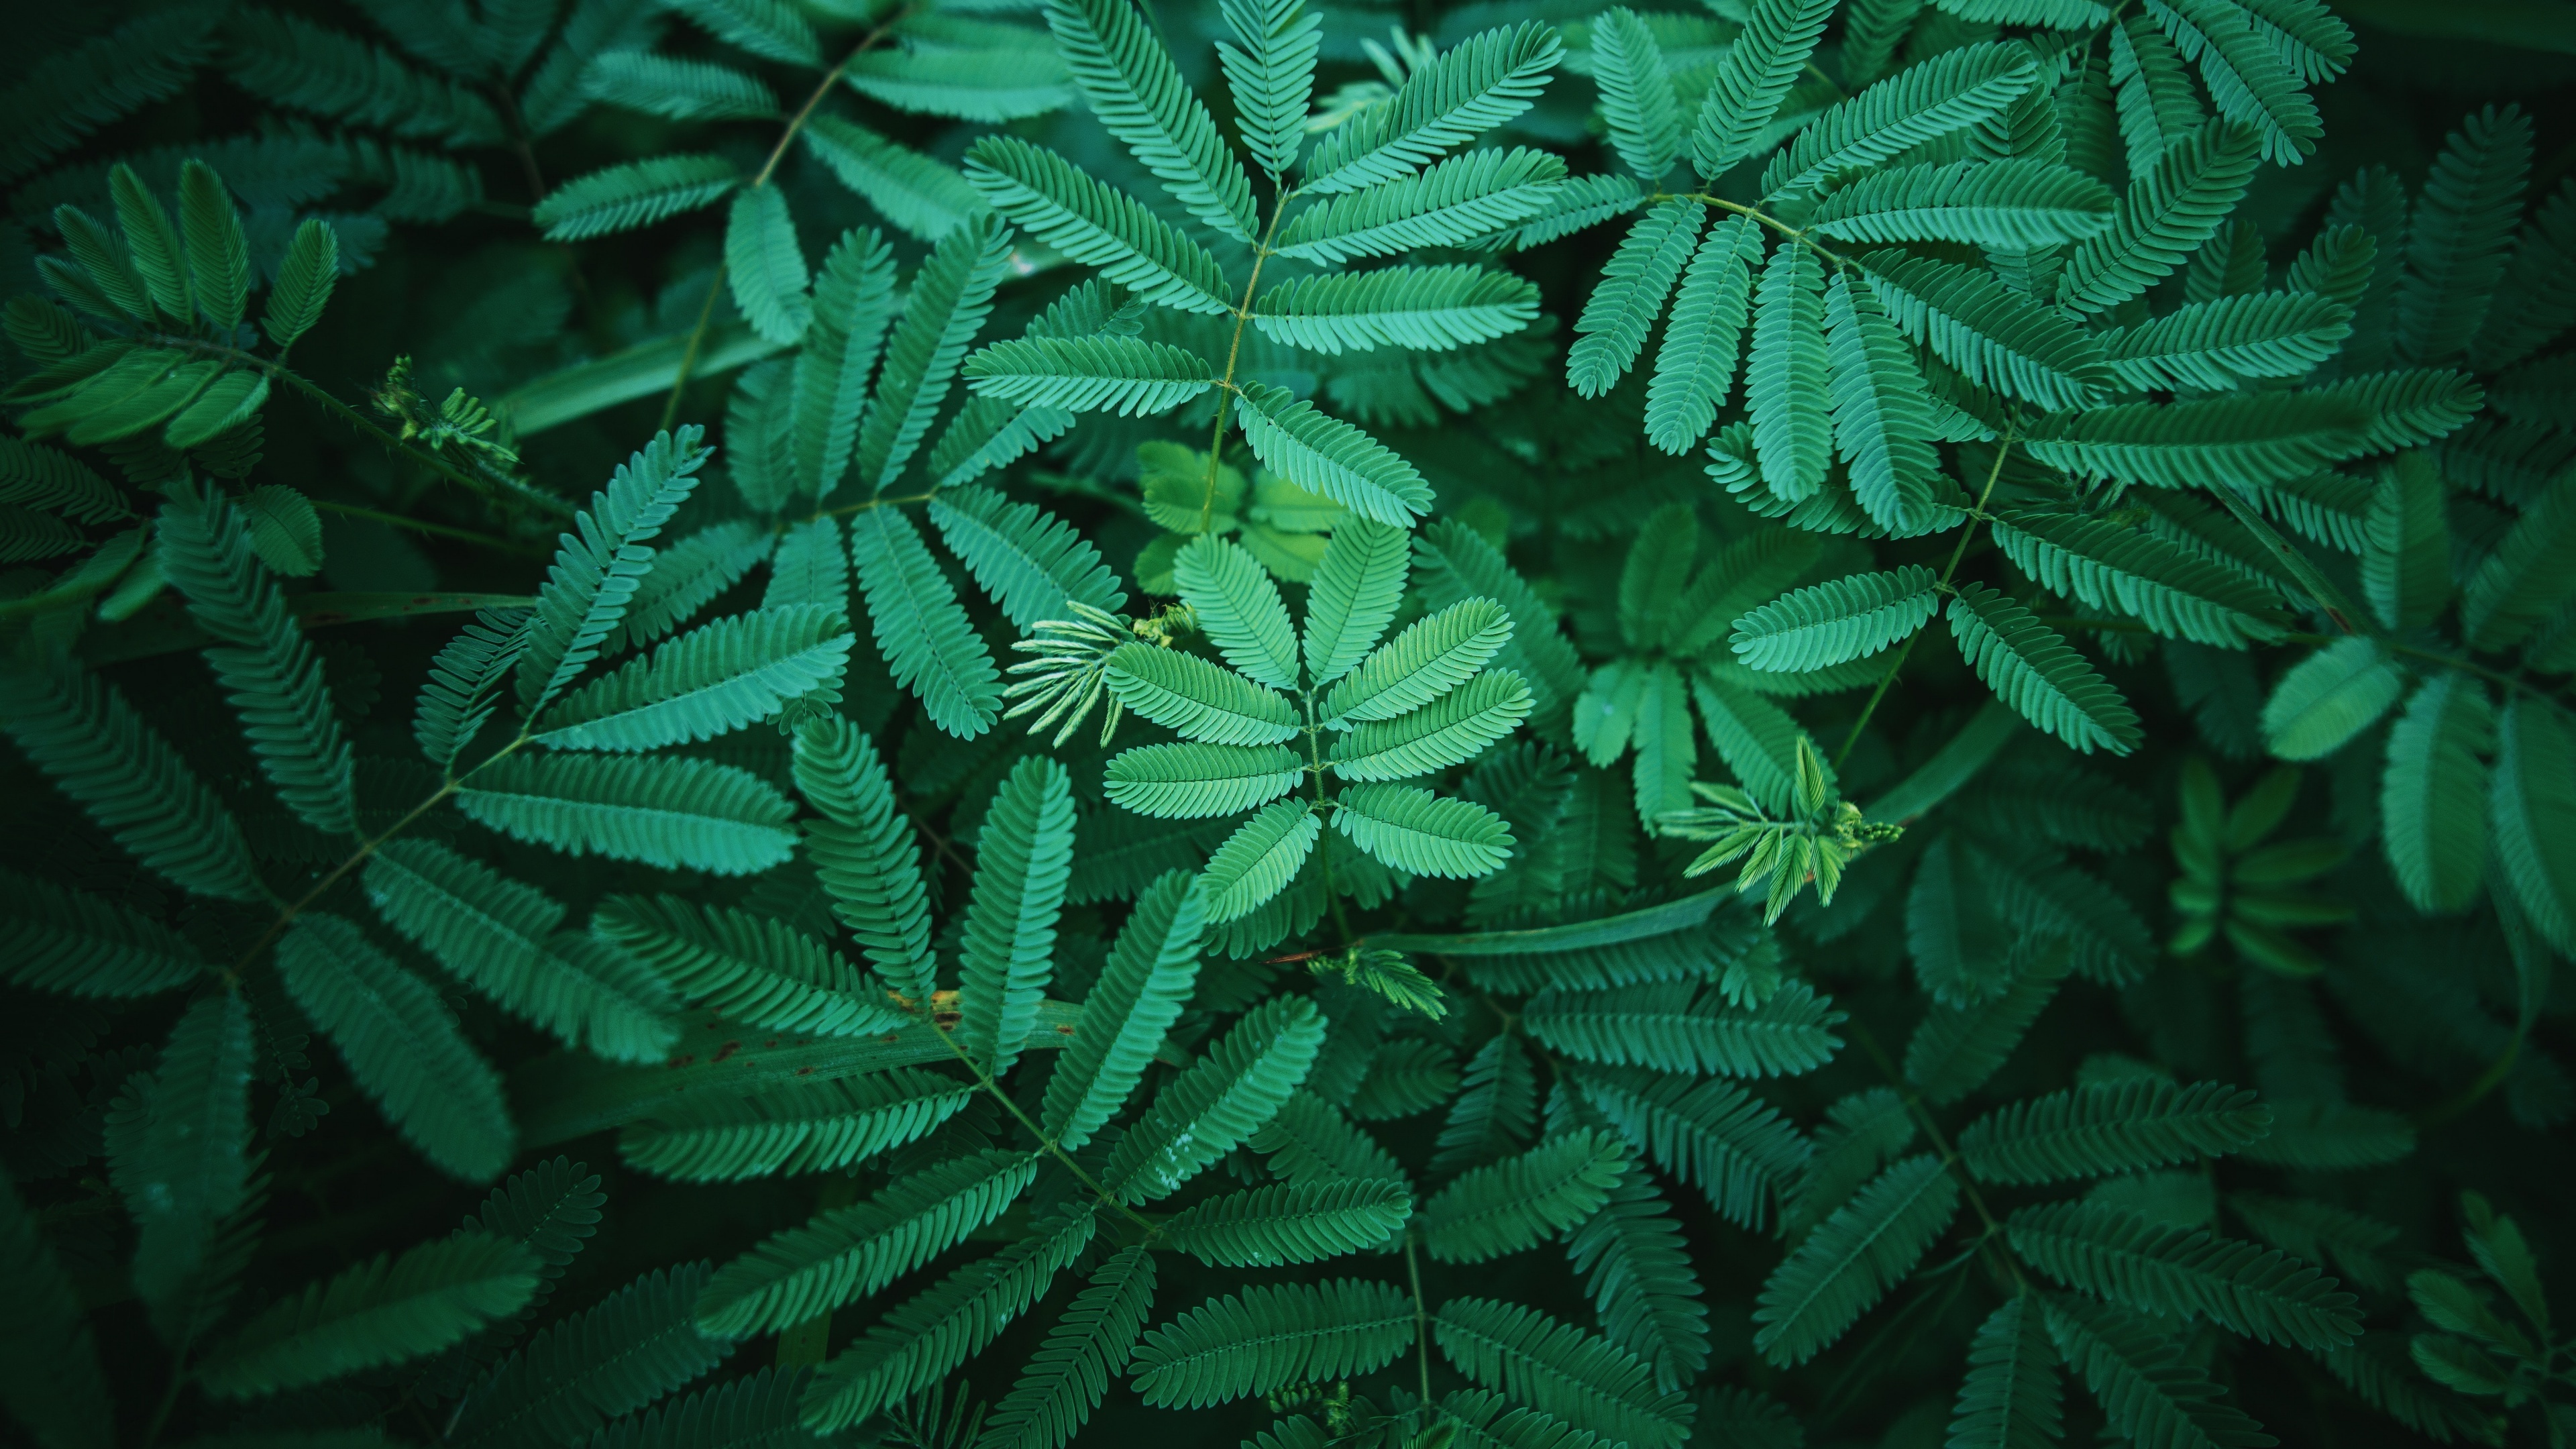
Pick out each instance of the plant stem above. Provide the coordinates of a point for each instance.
(1948, 571)
(1225, 388)
(488, 483)
(768, 168)
(1421, 1319)
(1940, 1142)
(286, 917)
(416, 525)
(1046, 1144)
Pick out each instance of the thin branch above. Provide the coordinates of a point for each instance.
(418, 525)
(1046, 1144)
(1226, 390)
(1950, 570)
(768, 168)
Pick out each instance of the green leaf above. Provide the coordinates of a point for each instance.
(1141, 992)
(1950, 92)
(1209, 1110)
(1474, 86)
(2110, 1127)
(1450, 203)
(1266, 1338)
(1259, 859)
(976, 80)
(1622, 309)
(304, 281)
(2170, 1270)
(84, 945)
(770, 29)
(1357, 587)
(1757, 739)
(1450, 730)
(1637, 96)
(2532, 801)
(1638, 1275)
(1414, 830)
(1677, 1026)
(1125, 375)
(2432, 799)
(1069, 1375)
(1741, 1154)
(1521, 1201)
(1695, 367)
(1023, 856)
(401, 1046)
(188, 1166)
(765, 267)
(845, 1254)
(1273, 1227)
(2531, 573)
(1558, 1369)
(151, 246)
(1330, 456)
(1239, 609)
(1994, 336)
(1270, 74)
(270, 673)
(218, 254)
(680, 90)
(2002, 204)
(1430, 308)
(129, 780)
(1430, 658)
(2146, 1386)
(671, 812)
(927, 1338)
(2251, 440)
(1853, 1259)
(2011, 1397)
(736, 671)
(2457, 237)
(1956, 1049)
(929, 645)
(924, 197)
(49, 1376)
(2032, 668)
(624, 197)
(1787, 379)
(2164, 217)
(1139, 95)
(635, 1346)
(2209, 345)
(380, 1312)
(1096, 224)
(1830, 623)
(749, 968)
(1753, 79)
(1197, 699)
(500, 937)
(602, 562)
(1454, 563)
(2406, 554)
(2332, 695)
(863, 852)
(2178, 593)
(853, 301)
(950, 297)
(813, 1127)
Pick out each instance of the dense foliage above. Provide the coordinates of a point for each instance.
(972, 722)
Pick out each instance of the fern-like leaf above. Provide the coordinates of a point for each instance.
(2032, 668)
(1273, 1227)
(1473, 87)
(2151, 1393)
(1125, 375)
(863, 852)
(1558, 1369)
(1259, 859)
(1741, 1154)
(2165, 216)
(1521, 1201)
(380, 1312)
(401, 1045)
(637, 1345)
(1451, 730)
(1612, 329)
(853, 302)
(1695, 368)
(271, 674)
(1994, 336)
(1022, 860)
(928, 644)
(1209, 1110)
(754, 969)
(456, 701)
(671, 812)
(1677, 1026)
(822, 1127)
(2011, 1399)
(601, 563)
(950, 297)
(1995, 204)
(1330, 456)
(1141, 992)
(1753, 80)
(1950, 92)
(1138, 94)
(2432, 799)
(636, 193)
(1451, 203)
(1266, 1338)
(1069, 1375)
(1853, 1259)
(733, 672)
(850, 1253)
(1830, 623)
(1957, 1049)
(1414, 830)
(2159, 1269)
(2111, 1127)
